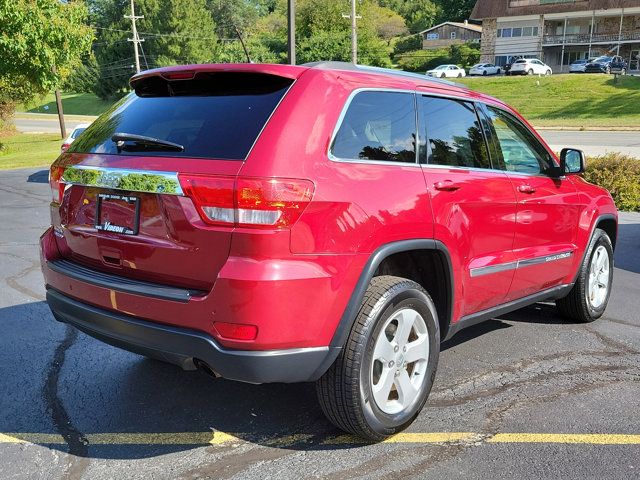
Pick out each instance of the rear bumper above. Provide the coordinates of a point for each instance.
(181, 346)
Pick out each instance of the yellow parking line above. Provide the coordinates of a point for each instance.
(224, 438)
(440, 437)
(42, 438)
(589, 438)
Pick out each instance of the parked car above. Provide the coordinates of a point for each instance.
(485, 69)
(510, 62)
(579, 66)
(607, 64)
(232, 218)
(530, 66)
(618, 65)
(447, 71)
(72, 136)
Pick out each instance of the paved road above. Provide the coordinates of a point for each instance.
(92, 411)
(37, 124)
(595, 142)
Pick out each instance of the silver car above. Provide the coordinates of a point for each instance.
(579, 65)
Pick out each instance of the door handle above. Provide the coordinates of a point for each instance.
(446, 186)
(526, 188)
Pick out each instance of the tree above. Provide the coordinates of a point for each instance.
(174, 32)
(41, 41)
(418, 14)
(455, 10)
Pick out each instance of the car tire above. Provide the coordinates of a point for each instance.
(484, 73)
(443, 75)
(548, 73)
(587, 301)
(498, 72)
(608, 70)
(530, 71)
(392, 307)
(459, 75)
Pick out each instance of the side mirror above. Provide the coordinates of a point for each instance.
(572, 161)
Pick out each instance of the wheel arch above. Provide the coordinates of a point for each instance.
(372, 267)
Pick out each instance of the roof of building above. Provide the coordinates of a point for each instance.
(500, 8)
(468, 26)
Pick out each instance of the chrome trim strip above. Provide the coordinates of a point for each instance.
(145, 181)
(545, 259)
(500, 267)
(503, 267)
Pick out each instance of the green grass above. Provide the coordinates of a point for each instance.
(579, 100)
(72, 104)
(24, 150)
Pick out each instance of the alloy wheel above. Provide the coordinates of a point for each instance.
(399, 362)
(599, 278)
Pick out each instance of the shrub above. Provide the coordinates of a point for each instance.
(407, 44)
(620, 174)
(422, 60)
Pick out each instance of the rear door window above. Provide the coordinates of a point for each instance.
(216, 115)
(453, 132)
(378, 126)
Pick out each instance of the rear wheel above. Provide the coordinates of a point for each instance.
(382, 378)
(589, 297)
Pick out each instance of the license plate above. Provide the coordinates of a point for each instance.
(117, 214)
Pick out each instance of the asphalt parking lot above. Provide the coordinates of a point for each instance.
(524, 396)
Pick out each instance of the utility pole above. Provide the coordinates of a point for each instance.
(354, 32)
(136, 40)
(63, 126)
(291, 27)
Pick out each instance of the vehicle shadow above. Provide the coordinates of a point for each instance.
(627, 255)
(41, 176)
(119, 403)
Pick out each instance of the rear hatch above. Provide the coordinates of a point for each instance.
(123, 186)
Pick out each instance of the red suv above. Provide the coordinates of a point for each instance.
(327, 222)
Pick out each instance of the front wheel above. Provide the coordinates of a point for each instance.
(530, 72)
(382, 378)
(547, 73)
(589, 296)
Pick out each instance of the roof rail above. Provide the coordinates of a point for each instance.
(331, 65)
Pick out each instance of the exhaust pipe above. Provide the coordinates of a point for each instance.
(203, 366)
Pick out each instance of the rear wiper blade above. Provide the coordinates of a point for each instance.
(144, 142)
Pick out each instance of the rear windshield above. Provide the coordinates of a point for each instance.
(216, 115)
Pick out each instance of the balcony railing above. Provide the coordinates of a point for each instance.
(585, 38)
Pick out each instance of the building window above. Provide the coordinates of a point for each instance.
(433, 36)
(517, 32)
(453, 35)
(506, 33)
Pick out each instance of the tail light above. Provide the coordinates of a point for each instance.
(248, 202)
(65, 147)
(56, 183)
